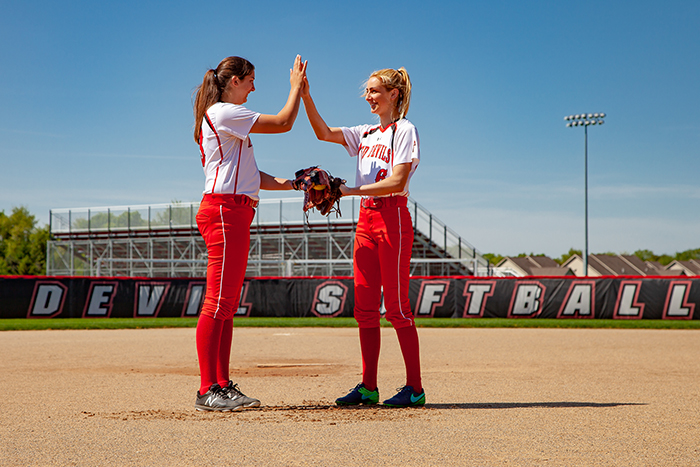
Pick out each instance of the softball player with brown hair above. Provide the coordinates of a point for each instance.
(232, 183)
(387, 156)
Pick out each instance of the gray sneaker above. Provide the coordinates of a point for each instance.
(238, 398)
(215, 399)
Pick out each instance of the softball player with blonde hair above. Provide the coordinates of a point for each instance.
(232, 183)
(387, 156)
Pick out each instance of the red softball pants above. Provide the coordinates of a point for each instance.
(382, 256)
(224, 222)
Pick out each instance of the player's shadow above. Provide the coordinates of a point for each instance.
(447, 406)
(531, 405)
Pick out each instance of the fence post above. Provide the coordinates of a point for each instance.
(430, 228)
(415, 217)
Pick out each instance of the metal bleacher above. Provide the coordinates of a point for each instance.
(162, 240)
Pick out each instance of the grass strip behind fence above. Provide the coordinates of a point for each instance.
(146, 323)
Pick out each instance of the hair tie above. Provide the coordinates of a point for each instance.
(215, 76)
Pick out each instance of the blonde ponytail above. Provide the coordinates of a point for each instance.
(396, 79)
(405, 94)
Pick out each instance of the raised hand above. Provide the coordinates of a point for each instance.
(297, 74)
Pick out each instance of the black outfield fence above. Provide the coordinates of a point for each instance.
(440, 297)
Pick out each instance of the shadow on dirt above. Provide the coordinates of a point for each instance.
(532, 405)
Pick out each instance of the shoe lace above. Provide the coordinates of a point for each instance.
(234, 389)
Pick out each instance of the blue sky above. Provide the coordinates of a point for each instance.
(96, 107)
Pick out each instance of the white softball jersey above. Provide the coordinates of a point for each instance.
(379, 149)
(227, 152)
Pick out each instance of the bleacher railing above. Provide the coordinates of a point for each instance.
(272, 215)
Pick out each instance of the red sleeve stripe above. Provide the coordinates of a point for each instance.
(221, 160)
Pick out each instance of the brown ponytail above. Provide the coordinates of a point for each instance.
(209, 92)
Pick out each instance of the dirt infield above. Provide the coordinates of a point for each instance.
(511, 397)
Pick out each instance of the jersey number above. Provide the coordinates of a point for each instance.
(381, 175)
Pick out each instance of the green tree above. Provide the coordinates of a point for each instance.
(687, 255)
(646, 255)
(179, 214)
(525, 255)
(102, 220)
(493, 258)
(566, 256)
(22, 244)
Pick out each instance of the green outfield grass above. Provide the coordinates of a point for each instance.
(144, 323)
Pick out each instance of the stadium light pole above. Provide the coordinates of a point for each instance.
(585, 120)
